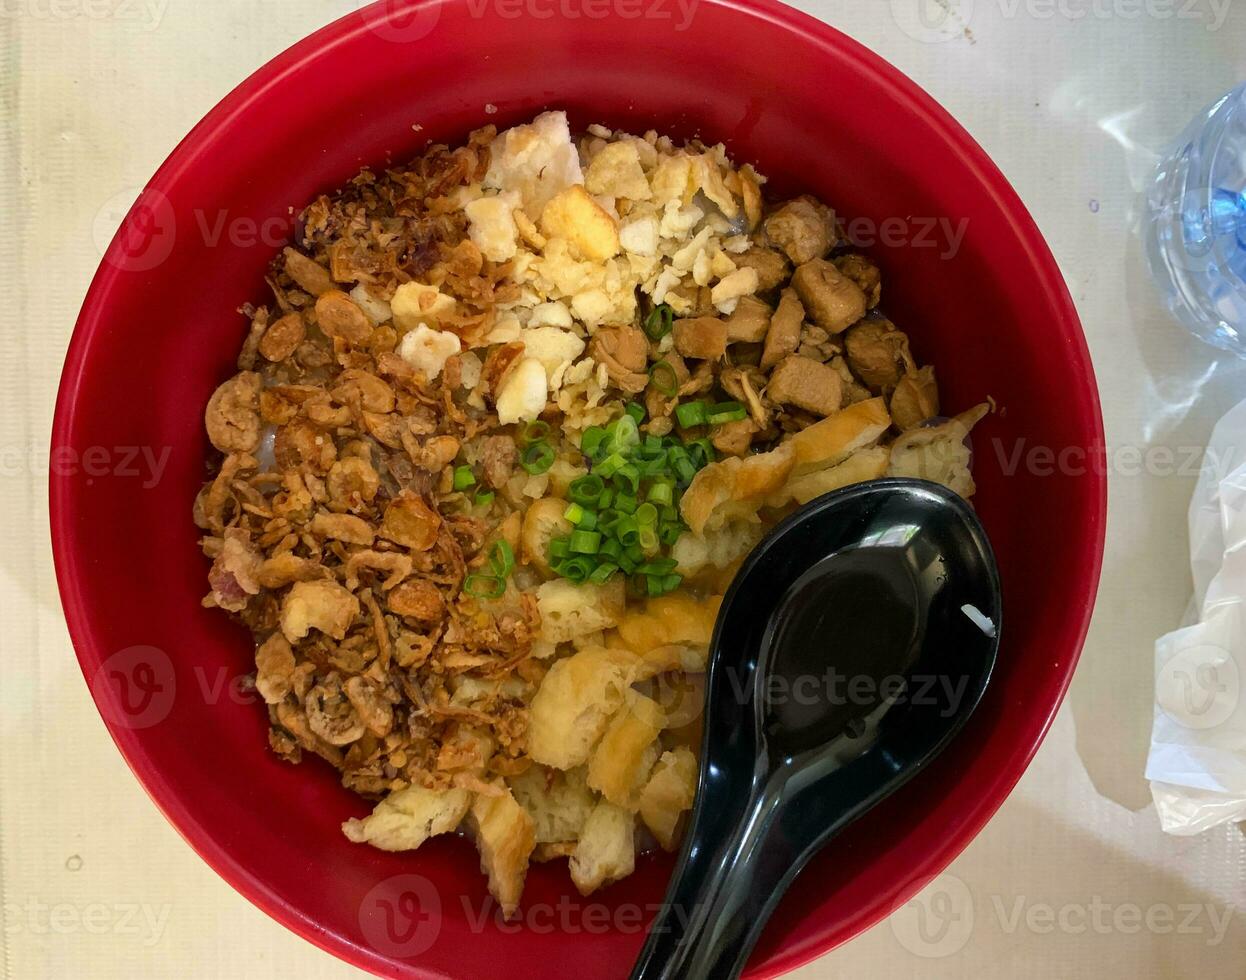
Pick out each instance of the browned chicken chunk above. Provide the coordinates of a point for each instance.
(702, 337)
(865, 274)
(497, 458)
(833, 300)
(749, 322)
(624, 351)
(784, 335)
(734, 438)
(806, 384)
(803, 228)
(771, 266)
(877, 352)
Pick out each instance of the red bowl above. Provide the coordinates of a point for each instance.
(158, 332)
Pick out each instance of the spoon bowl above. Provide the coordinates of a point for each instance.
(854, 643)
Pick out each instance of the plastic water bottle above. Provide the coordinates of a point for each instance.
(1196, 229)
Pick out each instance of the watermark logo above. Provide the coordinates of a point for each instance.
(401, 916)
(401, 21)
(938, 921)
(1199, 686)
(147, 229)
(135, 688)
(932, 21)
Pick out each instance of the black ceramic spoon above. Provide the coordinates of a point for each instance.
(854, 643)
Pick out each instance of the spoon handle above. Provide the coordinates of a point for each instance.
(722, 897)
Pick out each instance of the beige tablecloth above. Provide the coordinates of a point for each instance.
(1071, 879)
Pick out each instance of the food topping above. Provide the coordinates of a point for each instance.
(513, 417)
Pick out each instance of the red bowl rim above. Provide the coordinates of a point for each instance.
(66, 540)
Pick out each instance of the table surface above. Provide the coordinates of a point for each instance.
(1073, 878)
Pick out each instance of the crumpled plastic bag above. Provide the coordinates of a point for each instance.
(1197, 762)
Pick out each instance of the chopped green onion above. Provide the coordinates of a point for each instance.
(538, 458)
(625, 502)
(464, 477)
(663, 378)
(501, 558)
(726, 412)
(533, 432)
(627, 532)
(668, 534)
(587, 521)
(611, 549)
(608, 466)
(671, 582)
(627, 564)
(484, 586)
(603, 573)
(484, 498)
(685, 471)
(573, 513)
(585, 542)
(576, 569)
(661, 492)
(702, 451)
(604, 501)
(653, 584)
(628, 476)
(659, 321)
(648, 538)
(636, 411)
(636, 553)
(624, 433)
(560, 547)
(658, 566)
(646, 514)
(586, 490)
(593, 437)
(690, 414)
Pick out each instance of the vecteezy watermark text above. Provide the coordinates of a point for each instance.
(145, 922)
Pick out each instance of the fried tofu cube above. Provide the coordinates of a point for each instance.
(569, 610)
(606, 850)
(505, 836)
(627, 751)
(575, 703)
(576, 217)
(833, 300)
(616, 171)
(807, 384)
(939, 453)
(668, 794)
(868, 464)
(559, 802)
(408, 817)
(734, 488)
(835, 438)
